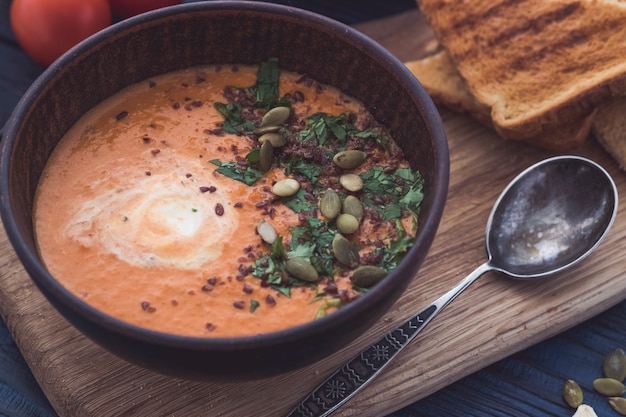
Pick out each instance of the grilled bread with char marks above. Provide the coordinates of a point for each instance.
(444, 84)
(537, 65)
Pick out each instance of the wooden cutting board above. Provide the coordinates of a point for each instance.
(491, 320)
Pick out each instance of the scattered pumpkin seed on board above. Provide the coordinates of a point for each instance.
(614, 365)
(608, 386)
(572, 393)
(618, 404)
(611, 385)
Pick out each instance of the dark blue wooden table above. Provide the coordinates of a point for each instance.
(528, 383)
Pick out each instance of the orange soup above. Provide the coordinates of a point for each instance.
(225, 201)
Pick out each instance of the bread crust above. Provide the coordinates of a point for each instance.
(445, 85)
(534, 63)
(609, 129)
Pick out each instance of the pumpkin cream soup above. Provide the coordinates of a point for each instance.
(225, 201)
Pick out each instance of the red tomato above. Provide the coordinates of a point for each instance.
(128, 8)
(48, 28)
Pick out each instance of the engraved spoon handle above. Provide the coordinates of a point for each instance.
(344, 383)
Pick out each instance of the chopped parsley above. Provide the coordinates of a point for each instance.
(234, 122)
(392, 254)
(298, 202)
(310, 170)
(402, 188)
(323, 128)
(247, 175)
(266, 87)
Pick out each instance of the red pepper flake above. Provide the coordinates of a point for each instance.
(176, 106)
(207, 287)
(270, 301)
(175, 303)
(145, 306)
(219, 209)
(200, 77)
(247, 288)
(155, 152)
(151, 84)
(210, 327)
(121, 115)
(238, 204)
(298, 97)
(331, 289)
(239, 304)
(188, 175)
(196, 103)
(146, 140)
(148, 173)
(210, 189)
(212, 280)
(214, 132)
(191, 292)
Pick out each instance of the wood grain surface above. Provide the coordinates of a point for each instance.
(494, 318)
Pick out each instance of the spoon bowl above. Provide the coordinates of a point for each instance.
(550, 217)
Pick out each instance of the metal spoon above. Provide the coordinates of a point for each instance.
(548, 218)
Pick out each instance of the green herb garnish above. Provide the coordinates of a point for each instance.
(392, 254)
(323, 128)
(298, 203)
(234, 122)
(403, 187)
(266, 88)
(311, 170)
(247, 175)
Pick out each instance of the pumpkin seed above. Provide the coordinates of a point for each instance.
(352, 205)
(330, 204)
(367, 276)
(266, 129)
(614, 365)
(608, 386)
(351, 182)
(276, 116)
(347, 223)
(286, 187)
(266, 156)
(572, 393)
(267, 232)
(345, 252)
(301, 269)
(349, 159)
(321, 312)
(276, 139)
(618, 404)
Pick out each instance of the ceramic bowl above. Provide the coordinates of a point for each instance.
(222, 32)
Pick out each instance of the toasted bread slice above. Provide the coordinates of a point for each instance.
(440, 78)
(609, 129)
(534, 63)
(444, 84)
